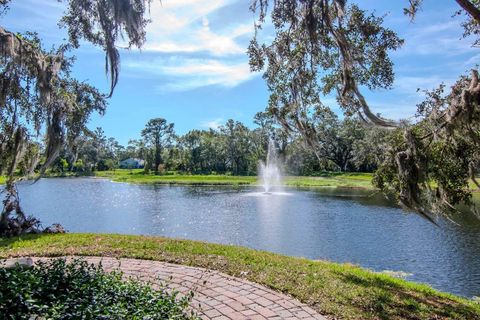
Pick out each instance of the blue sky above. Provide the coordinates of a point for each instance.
(193, 69)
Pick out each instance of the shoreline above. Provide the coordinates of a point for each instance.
(344, 180)
(340, 180)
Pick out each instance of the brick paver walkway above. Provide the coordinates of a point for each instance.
(216, 295)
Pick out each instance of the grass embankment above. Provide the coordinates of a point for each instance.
(326, 179)
(337, 290)
(352, 180)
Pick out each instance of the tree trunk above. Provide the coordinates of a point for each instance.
(158, 157)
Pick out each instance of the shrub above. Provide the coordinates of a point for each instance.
(79, 166)
(77, 290)
(161, 169)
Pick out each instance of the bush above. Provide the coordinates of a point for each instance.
(79, 166)
(60, 165)
(77, 290)
(161, 169)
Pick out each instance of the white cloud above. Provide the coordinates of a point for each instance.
(243, 29)
(212, 124)
(220, 73)
(184, 27)
(410, 84)
(472, 62)
(401, 110)
(401, 102)
(188, 73)
(200, 39)
(443, 39)
(200, 53)
(205, 22)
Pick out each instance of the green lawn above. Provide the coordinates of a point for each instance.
(337, 290)
(353, 180)
(2, 180)
(344, 180)
(333, 179)
(137, 176)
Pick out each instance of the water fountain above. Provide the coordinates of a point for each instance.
(269, 171)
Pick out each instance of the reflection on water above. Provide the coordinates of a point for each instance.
(340, 225)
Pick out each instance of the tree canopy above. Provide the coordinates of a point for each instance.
(325, 47)
(158, 133)
(40, 100)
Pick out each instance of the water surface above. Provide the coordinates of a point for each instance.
(344, 226)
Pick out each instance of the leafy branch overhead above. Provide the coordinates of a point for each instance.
(102, 22)
(39, 98)
(326, 48)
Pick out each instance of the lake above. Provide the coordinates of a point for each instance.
(338, 225)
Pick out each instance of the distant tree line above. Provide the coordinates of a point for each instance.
(345, 145)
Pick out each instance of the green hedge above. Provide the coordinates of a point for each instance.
(77, 290)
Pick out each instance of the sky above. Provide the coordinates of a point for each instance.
(193, 69)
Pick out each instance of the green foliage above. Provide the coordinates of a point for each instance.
(102, 23)
(60, 165)
(429, 164)
(237, 146)
(321, 48)
(233, 148)
(76, 290)
(345, 145)
(158, 135)
(40, 99)
(78, 166)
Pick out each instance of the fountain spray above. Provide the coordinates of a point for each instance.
(269, 170)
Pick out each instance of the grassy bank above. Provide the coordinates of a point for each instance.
(337, 290)
(328, 179)
(352, 180)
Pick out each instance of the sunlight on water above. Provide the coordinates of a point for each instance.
(267, 194)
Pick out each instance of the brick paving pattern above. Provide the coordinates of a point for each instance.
(216, 295)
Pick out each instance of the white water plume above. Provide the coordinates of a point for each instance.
(269, 171)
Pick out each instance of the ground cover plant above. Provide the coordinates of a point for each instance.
(76, 290)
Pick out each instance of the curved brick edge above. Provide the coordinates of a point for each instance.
(216, 295)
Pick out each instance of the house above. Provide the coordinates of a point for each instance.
(132, 163)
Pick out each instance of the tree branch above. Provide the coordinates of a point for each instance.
(470, 8)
